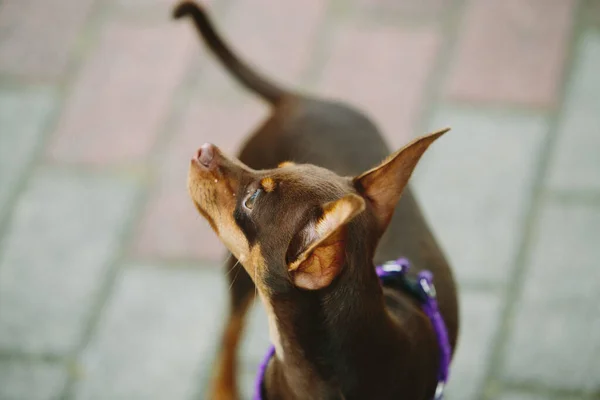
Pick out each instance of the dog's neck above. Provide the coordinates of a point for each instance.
(337, 340)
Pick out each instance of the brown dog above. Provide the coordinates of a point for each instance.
(307, 224)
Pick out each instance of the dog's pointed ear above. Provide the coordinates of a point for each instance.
(383, 185)
(316, 254)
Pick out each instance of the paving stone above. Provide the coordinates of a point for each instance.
(530, 396)
(255, 344)
(146, 3)
(591, 13)
(382, 9)
(123, 94)
(386, 78)
(274, 36)
(20, 380)
(555, 338)
(171, 227)
(480, 314)
(64, 232)
(575, 164)
(512, 51)
(23, 118)
(474, 185)
(38, 36)
(159, 328)
(165, 5)
(151, 9)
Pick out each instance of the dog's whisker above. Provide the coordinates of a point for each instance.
(234, 265)
(234, 278)
(227, 259)
(255, 288)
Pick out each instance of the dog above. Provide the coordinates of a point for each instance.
(306, 211)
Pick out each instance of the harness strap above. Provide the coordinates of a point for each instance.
(424, 290)
(260, 377)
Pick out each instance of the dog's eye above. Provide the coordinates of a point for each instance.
(250, 200)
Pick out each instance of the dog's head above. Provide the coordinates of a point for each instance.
(294, 225)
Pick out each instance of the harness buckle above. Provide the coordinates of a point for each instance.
(392, 266)
(426, 284)
(399, 266)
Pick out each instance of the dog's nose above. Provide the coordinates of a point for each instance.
(206, 154)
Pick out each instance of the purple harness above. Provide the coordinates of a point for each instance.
(424, 291)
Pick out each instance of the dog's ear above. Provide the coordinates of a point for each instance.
(383, 185)
(316, 253)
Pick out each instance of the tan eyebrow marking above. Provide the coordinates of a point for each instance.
(268, 184)
(285, 164)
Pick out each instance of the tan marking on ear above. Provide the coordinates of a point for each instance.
(336, 214)
(323, 264)
(285, 164)
(268, 184)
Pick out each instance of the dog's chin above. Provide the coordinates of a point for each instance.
(199, 193)
(199, 185)
(206, 215)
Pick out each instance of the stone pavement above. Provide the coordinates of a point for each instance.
(110, 286)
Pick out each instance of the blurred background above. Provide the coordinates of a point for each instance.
(111, 286)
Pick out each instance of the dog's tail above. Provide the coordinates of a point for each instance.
(240, 70)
